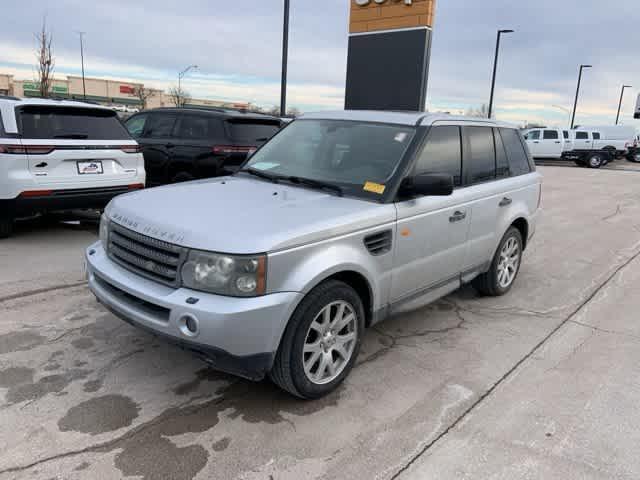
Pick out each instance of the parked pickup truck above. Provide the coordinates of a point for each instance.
(548, 142)
(598, 145)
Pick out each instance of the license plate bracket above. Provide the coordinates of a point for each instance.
(89, 167)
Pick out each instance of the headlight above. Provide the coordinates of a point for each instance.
(233, 275)
(104, 231)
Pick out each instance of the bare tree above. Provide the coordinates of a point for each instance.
(143, 94)
(482, 112)
(293, 112)
(275, 110)
(179, 96)
(45, 60)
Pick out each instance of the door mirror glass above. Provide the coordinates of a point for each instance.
(428, 184)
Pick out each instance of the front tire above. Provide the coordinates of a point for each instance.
(504, 267)
(321, 342)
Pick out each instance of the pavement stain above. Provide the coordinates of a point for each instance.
(221, 444)
(93, 386)
(82, 343)
(99, 415)
(203, 375)
(32, 391)
(20, 341)
(13, 376)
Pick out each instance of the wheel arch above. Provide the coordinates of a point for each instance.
(522, 225)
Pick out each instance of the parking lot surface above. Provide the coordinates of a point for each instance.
(541, 383)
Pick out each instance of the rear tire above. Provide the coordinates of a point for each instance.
(308, 363)
(595, 160)
(493, 283)
(6, 227)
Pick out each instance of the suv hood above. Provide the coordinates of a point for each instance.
(243, 215)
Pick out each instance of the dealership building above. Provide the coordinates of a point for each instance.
(103, 91)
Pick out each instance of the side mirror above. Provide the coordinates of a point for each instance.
(432, 184)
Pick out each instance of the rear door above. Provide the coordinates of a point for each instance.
(597, 140)
(197, 134)
(157, 141)
(244, 136)
(568, 141)
(551, 143)
(582, 141)
(67, 146)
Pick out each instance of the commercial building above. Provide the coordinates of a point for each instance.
(103, 91)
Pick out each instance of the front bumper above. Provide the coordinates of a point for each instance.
(236, 335)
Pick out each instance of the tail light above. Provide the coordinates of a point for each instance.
(230, 149)
(131, 148)
(135, 186)
(36, 193)
(27, 149)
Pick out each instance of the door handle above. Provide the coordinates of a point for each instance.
(536, 141)
(557, 142)
(457, 216)
(505, 202)
(169, 145)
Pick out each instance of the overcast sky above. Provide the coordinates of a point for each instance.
(237, 45)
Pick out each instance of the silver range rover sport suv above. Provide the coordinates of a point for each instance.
(340, 220)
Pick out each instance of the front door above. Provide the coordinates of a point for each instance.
(157, 144)
(551, 144)
(533, 142)
(431, 231)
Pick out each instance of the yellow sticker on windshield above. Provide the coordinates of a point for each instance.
(374, 187)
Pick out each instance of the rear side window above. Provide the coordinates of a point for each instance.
(551, 135)
(199, 127)
(565, 134)
(517, 155)
(582, 136)
(596, 136)
(480, 155)
(533, 135)
(442, 153)
(136, 124)
(44, 122)
(252, 131)
(160, 125)
(502, 163)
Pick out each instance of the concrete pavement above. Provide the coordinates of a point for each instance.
(83, 395)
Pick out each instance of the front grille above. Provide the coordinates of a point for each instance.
(146, 256)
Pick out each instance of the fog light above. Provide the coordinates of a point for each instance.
(189, 325)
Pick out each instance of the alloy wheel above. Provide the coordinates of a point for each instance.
(330, 342)
(509, 262)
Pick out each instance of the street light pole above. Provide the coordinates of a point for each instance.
(84, 87)
(495, 68)
(620, 104)
(180, 76)
(575, 103)
(285, 57)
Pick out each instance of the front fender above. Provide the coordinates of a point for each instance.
(302, 269)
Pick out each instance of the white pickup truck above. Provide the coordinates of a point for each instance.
(595, 146)
(548, 142)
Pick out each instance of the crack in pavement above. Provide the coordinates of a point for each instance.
(604, 330)
(38, 291)
(515, 367)
(393, 339)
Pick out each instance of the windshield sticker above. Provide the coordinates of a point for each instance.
(264, 165)
(400, 137)
(374, 187)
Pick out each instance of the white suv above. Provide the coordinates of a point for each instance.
(59, 155)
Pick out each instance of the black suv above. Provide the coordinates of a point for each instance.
(181, 144)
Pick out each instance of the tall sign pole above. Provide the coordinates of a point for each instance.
(389, 53)
(285, 57)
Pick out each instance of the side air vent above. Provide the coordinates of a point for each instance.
(378, 243)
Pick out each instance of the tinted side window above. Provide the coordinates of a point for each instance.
(441, 153)
(582, 136)
(533, 135)
(480, 155)
(252, 130)
(596, 136)
(199, 127)
(550, 135)
(160, 126)
(502, 164)
(518, 160)
(135, 124)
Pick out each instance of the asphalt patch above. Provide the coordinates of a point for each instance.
(99, 415)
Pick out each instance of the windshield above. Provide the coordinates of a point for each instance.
(356, 156)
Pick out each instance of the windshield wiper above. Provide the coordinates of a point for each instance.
(314, 183)
(261, 174)
(73, 136)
